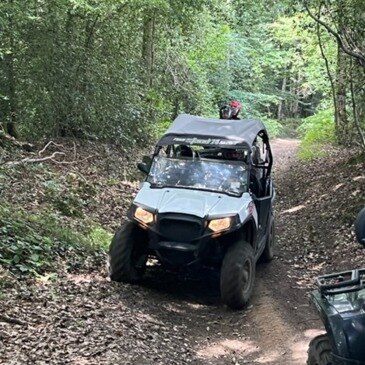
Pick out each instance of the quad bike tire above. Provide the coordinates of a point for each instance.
(268, 253)
(360, 227)
(319, 352)
(237, 275)
(128, 254)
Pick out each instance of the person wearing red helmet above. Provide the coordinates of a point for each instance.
(235, 106)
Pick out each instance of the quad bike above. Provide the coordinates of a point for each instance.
(206, 201)
(340, 300)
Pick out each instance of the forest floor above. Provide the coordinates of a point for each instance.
(80, 317)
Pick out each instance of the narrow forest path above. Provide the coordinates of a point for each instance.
(169, 319)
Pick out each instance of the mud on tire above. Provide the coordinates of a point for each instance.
(128, 254)
(237, 275)
(319, 352)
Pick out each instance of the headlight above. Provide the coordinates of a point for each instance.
(143, 215)
(220, 224)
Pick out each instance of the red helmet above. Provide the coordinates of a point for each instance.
(235, 104)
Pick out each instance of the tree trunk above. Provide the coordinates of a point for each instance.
(342, 119)
(148, 46)
(355, 109)
(281, 104)
(328, 70)
(11, 81)
(297, 90)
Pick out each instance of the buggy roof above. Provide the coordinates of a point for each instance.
(189, 129)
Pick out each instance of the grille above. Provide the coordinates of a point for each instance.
(180, 229)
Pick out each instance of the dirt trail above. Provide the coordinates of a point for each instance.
(170, 319)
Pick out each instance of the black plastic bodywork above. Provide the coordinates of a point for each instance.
(340, 300)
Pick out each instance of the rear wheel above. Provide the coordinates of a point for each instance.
(128, 254)
(268, 253)
(319, 352)
(237, 275)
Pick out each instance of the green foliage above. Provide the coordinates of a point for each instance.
(112, 70)
(316, 131)
(99, 237)
(160, 128)
(67, 201)
(34, 243)
(290, 127)
(274, 128)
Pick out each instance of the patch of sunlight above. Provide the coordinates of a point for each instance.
(173, 309)
(84, 278)
(196, 305)
(294, 209)
(270, 357)
(78, 360)
(313, 332)
(148, 318)
(318, 267)
(46, 278)
(226, 347)
(299, 350)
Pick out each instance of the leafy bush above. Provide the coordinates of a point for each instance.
(33, 244)
(290, 127)
(274, 128)
(316, 132)
(65, 199)
(160, 128)
(99, 237)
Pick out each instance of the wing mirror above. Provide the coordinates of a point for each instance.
(145, 165)
(360, 227)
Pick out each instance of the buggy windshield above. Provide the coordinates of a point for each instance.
(218, 176)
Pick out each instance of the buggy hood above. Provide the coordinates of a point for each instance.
(193, 202)
(189, 129)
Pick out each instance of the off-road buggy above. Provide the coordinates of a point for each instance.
(207, 200)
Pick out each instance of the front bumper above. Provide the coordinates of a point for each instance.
(181, 239)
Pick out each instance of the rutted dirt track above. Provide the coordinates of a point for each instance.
(169, 319)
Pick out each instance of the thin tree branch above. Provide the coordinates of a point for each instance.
(327, 66)
(348, 51)
(34, 160)
(47, 145)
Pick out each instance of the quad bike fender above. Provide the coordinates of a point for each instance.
(346, 331)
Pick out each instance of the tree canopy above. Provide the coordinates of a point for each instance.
(118, 69)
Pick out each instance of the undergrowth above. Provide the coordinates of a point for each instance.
(32, 244)
(316, 132)
(274, 128)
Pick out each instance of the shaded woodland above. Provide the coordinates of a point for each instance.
(120, 70)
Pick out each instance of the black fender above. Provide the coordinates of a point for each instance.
(246, 231)
(346, 330)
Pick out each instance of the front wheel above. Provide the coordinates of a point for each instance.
(237, 275)
(128, 254)
(319, 352)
